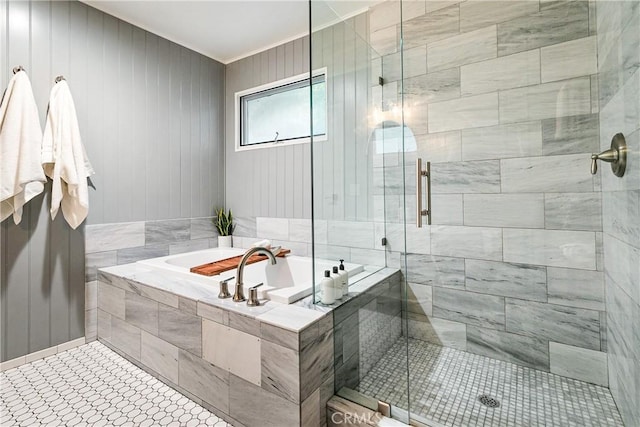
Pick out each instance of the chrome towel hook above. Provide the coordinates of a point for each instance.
(616, 155)
(17, 69)
(59, 79)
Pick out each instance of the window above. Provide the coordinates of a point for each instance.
(278, 113)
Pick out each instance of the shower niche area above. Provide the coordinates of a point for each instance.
(516, 301)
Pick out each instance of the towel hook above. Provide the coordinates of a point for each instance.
(17, 69)
(59, 79)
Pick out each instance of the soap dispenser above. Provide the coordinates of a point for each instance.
(327, 289)
(337, 283)
(344, 278)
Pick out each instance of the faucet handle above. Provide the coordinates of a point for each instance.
(224, 288)
(253, 296)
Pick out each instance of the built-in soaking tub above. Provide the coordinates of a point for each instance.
(286, 282)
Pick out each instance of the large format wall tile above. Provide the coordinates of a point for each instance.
(126, 256)
(269, 410)
(577, 288)
(570, 59)
(180, 329)
(430, 27)
(573, 211)
(203, 228)
(570, 135)
(163, 232)
(468, 242)
(512, 280)
(111, 300)
(273, 228)
(625, 275)
(469, 307)
(568, 325)
(160, 356)
(411, 63)
(280, 371)
(438, 331)
(504, 210)
(465, 177)
(525, 351)
(419, 299)
(141, 312)
(433, 87)
(465, 48)
(125, 337)
(555, 248)
(561, 22)
(439, 147)
(546, 174)
(556, 99)
(468, 112)
(503, 141)
(622, 208)
(96, 260)
(358, 234)
(507, 72)
(447, 209)
(435, 270)
(579, 363)
(204, 380)
(477, 14)
(108, 237)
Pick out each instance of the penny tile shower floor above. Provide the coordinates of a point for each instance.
(93, 386)
(446, 383)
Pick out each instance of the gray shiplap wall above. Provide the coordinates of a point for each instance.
(257, 181)
(150, 113)
(276, 182)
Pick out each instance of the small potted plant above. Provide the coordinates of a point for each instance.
(224, 223)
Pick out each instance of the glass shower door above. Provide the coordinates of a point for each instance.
(358, 201)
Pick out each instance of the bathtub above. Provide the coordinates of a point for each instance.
(286, 282)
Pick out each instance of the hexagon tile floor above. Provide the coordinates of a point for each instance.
(91, 385)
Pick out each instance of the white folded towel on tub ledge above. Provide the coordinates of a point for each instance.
(21, 175)
(64, 158)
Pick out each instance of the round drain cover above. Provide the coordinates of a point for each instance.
(488, 401)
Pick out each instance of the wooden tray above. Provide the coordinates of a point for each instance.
(217, 267)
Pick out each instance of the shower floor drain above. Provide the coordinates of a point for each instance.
(488, 401)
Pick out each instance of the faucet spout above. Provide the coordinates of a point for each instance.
(238, 296)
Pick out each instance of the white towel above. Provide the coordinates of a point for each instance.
(21, 175)
(64, 158)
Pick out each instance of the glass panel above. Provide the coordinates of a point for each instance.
(357, 204)
(506, 297)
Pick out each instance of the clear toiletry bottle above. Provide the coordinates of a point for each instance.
(344, 278)
(328, 291)
(337, 283)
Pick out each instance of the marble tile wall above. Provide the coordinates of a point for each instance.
(107, 245)
(618, 35)
(512, 266)
(245, 370)
(365, 329)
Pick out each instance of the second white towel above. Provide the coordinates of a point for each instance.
(64, 158)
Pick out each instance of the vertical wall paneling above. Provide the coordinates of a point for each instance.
(150, 114)
(17, 22)
(39, 224)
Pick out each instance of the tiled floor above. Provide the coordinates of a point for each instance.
(446, 383)
(93, 386)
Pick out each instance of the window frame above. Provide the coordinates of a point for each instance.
(289, 81)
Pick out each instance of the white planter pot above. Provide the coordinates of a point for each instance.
(225, 241)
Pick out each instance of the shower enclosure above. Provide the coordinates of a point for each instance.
(519, 296)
